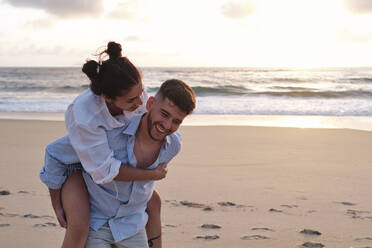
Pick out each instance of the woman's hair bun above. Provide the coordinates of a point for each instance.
(90, 68)
(113, 50)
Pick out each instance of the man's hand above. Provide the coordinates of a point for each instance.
(160, 172)
(60, 214)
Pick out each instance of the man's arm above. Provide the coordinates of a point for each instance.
(128, 173)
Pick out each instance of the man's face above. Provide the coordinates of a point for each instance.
(164, 118)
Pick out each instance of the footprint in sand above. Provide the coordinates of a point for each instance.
(193, 204)
(275, 210)
(208, 209)
(47, 224)
(169, 225)
(363, 239)
(346, 203)
(312, 245)
(31, 216)
(262, 229)
(357, 214)
(47, 217)
(254, 237)
(303, 198)
(289, 206)
(226, 204)
(170, 201)
(310, 232)
(208, 237)
(23, 192)
(210, 226)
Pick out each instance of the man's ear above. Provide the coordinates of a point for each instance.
(150, 102)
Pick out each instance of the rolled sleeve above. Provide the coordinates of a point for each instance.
(95, 155)
(107, 171)
(54, 173)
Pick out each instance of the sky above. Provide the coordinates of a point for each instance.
(229, 33)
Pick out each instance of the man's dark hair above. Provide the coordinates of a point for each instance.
(179, 93)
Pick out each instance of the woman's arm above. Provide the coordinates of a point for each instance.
(128, 173)
(55, 197)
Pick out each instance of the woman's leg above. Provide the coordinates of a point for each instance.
(75, 203)
(153, 227)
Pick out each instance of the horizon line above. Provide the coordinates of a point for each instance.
(253, 67)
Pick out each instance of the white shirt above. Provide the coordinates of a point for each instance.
(87, 120)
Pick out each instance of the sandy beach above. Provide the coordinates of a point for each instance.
(229, 187)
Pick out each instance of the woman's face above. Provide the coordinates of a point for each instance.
(129, 101)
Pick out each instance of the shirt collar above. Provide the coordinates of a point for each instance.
(133, 125)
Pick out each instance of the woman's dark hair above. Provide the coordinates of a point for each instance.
(112, 76)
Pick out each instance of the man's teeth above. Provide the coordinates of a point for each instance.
(160, 129)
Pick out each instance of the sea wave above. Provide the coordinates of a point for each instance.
(215, 90)
(317, 94)
(359, 80)
(36, 88)
(291, 88)
(250, 91)
(278, 91)
(292, 80)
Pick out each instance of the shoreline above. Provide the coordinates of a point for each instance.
(294, 121)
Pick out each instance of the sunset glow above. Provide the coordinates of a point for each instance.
(265, 33)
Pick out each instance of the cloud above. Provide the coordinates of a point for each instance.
(238, 9)
(348, 36)
(359, 6)
(44, 23)
(133, 38)
(62, 8)
(126, 10)
(33, 49)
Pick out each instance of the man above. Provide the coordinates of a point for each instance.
(117, 208)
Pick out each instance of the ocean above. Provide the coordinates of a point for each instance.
(244, 92)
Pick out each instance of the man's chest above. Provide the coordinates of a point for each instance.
(145, 155)
(129, 151)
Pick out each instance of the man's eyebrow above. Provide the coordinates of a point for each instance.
(166, 112)
(163, 110)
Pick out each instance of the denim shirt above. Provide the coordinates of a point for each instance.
(121, 204)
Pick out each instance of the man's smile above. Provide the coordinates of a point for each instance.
(160, 129)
